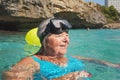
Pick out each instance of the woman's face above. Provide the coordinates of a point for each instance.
(57, 44)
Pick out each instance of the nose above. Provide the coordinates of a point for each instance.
(66, 39)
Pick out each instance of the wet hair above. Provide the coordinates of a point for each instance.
(44, 46)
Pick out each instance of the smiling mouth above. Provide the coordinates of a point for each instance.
(63, 46)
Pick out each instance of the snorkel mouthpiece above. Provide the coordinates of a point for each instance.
(53, 26)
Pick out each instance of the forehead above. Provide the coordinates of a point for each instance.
(56, 35)
(63, 33)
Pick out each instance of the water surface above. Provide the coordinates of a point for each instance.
(99, 44)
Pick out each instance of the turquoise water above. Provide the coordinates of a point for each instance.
(101, 44)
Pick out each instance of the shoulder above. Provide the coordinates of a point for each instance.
(28, 62)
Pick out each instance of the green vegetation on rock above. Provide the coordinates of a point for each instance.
(110, 13)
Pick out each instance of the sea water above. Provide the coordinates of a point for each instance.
(101, 44)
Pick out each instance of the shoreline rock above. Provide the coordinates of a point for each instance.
(112, 26)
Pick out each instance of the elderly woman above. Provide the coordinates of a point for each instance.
(50, 62)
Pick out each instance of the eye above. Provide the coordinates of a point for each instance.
(58, 35)
(67, 35)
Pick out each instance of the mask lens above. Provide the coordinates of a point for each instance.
(57, 23)
(58, 26)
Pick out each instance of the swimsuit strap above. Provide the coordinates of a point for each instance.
(36, 59)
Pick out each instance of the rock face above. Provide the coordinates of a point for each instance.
(79, 13)
(112, 26)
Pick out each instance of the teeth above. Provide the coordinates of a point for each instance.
(62, 45)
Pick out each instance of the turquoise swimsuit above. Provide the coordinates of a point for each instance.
(50, 71)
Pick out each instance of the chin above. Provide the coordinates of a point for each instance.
(62, 53)
(60, 56)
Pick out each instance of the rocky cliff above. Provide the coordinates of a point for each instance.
(78, 12)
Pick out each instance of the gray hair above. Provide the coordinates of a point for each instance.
(44, 45)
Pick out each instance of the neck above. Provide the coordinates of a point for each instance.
(55, 56)
(52, 53)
